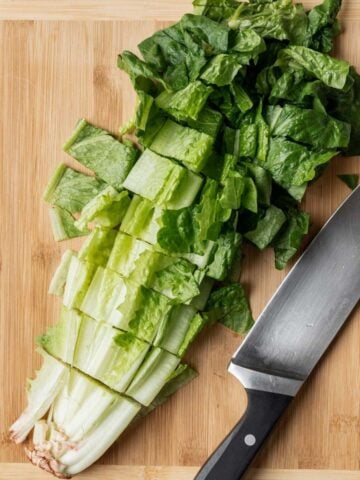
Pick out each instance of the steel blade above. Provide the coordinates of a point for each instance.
(308, 309)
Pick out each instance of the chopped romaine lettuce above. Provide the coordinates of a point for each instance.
(78, 280)
(142, 220)
(85, 418)
(60, 340)
(57, 284)
(229, 306)
(71, 190)
(162, 181)
(226, 249)
(185, 104)
(188, 146)
(99, 151)
(221, 70)
(288, 241)
(63, 225)
(107, 209)
(41, 392)
(350, 179)
(267, 227)
(152, 376)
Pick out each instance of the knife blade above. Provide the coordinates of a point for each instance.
(291, 335)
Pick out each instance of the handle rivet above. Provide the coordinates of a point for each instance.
(250, 440)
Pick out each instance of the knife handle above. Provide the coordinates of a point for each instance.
(234, 455)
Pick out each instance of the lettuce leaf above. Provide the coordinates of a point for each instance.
(308, 126)
(345, 106)
(142, 76)
(162, 181)
(227, 247)
(71, 190)
(331, 71)
(278, 19)
(221, 70)
(185, 104)
(288, 241)
(229, 306)
(63, 225)
(188, 146)
(107, 209)
(209, 121)
(97, 247)
(153, 374)
(99, 151)
(267, 227)
(293, 165)
(350, 179)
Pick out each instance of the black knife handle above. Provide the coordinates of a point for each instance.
(234, 455)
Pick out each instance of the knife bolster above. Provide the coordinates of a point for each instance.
(254, 380)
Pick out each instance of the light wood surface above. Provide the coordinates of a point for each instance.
(51, 74)
(168, 10)
(21, 471)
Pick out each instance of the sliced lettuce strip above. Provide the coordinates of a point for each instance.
(99, 151)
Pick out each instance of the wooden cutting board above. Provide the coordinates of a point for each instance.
(57, 64)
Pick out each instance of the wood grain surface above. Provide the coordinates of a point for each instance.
(168, 10)
(21, 471)
(54, 72)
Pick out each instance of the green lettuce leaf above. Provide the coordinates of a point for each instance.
(153, 374)
(78, 279)
(249, 199)
(189, 230)
(221, 70)
(98, 246)
(229, 306)
(331, 71)
(308, 126)
(209, 121)
(174, 55)
(241, 97)
(248, 45)
(233, 189)
(262, 180)
(71, 190)
(350, 179)
(99, 151)
(175, 328)
(175, 279)
(143, 220)
(267, 227)
(288, 241)
(162, 181)
(63, 225)
(279, 19)
(323, 25)
(143, 110)
(227, 247)
(185, 104)
(60, 340)
(217, 10)
(293, 165)
(209, 35)
(108, 355)
(188, 146)
(142, 76)
(345, 105)
(107, 209)
(57, 284)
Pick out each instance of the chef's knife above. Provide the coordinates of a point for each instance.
(290, 337)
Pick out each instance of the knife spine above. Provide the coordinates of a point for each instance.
(254, 380)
